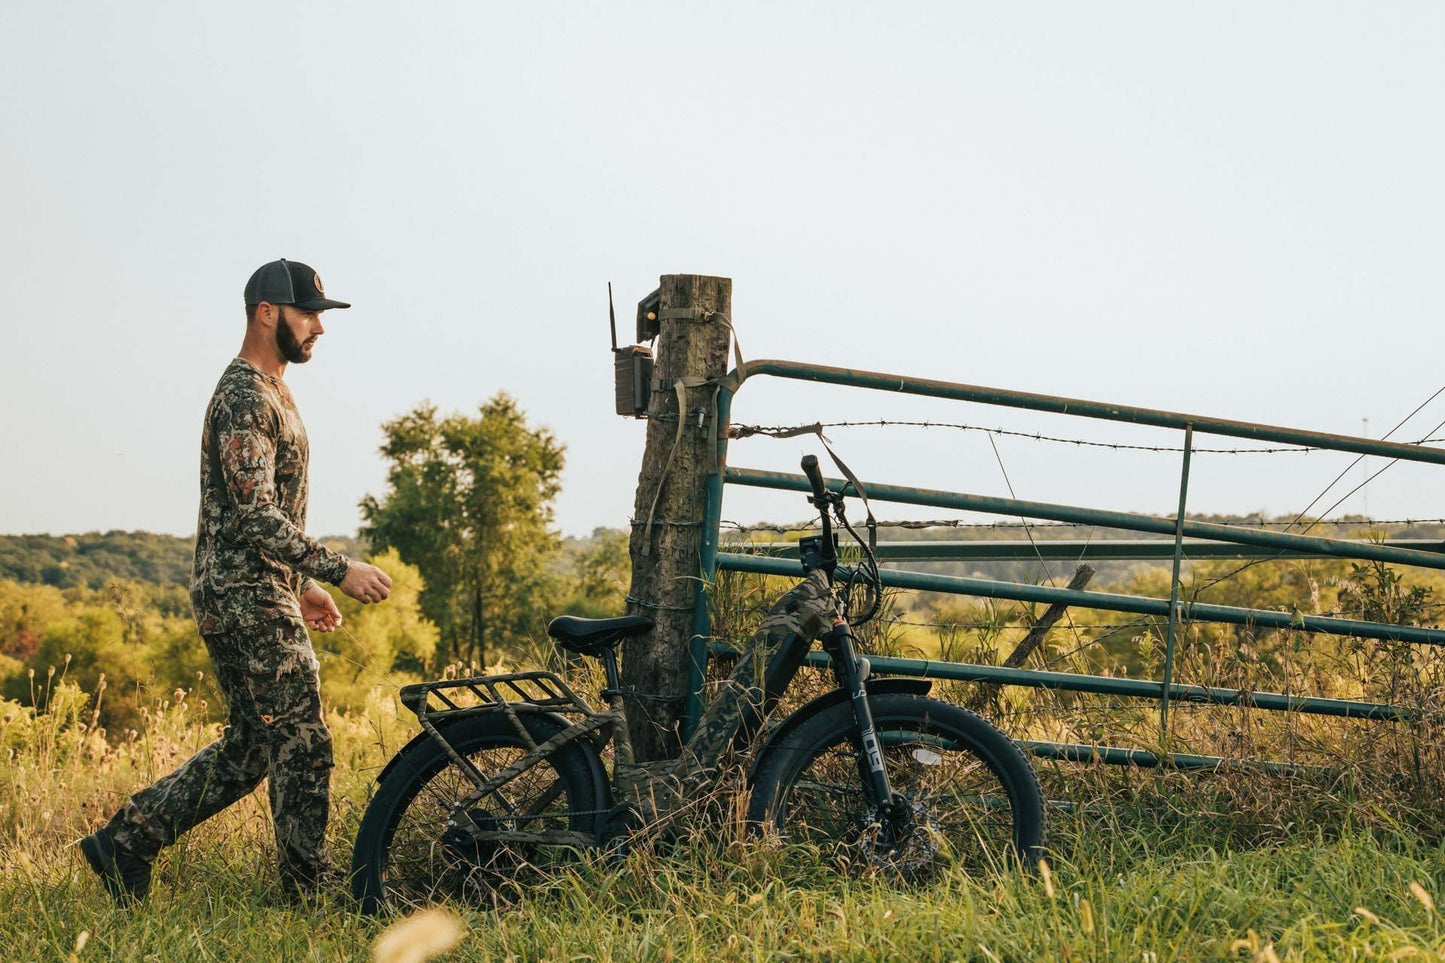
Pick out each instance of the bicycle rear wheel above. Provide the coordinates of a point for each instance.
(407, 855)
(970, 796)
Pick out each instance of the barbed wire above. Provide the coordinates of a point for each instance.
(789, 431)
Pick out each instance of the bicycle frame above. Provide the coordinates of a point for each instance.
(659, 790)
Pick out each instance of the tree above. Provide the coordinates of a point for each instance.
(382, 643)
(469, 503)
(599, 573)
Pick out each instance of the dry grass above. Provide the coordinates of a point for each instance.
(1146, 866)
(1342, 862)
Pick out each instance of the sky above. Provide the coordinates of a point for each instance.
(1233, 209)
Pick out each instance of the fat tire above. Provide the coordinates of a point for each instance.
(779, 771)
(576, 764)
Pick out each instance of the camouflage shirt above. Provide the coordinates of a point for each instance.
(253, 556)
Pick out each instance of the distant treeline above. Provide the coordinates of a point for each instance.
(92, 559)
(1009, 530)
(111, 612)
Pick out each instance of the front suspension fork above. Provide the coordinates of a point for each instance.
(851, 672)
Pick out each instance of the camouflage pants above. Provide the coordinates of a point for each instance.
(275, 731)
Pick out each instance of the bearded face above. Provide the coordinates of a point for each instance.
(292, 348)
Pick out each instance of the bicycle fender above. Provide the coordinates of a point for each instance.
(826, 701)
(442, 724)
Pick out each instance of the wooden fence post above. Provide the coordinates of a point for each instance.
(692, 347)
(985, 697)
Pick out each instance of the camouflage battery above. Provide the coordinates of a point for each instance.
(764, 670)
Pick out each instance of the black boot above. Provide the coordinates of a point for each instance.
(126, 877)
(305, 886)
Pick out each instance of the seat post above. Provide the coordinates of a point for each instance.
(609, 667)
(621, 740)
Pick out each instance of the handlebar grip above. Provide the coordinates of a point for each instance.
(815, 477)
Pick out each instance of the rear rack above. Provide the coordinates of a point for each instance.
(543, 690)
(433, 702)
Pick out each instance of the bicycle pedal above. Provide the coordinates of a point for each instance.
(618, 828)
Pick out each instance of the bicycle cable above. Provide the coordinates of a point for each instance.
(873, 584)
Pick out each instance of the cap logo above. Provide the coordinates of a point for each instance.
(319, 288)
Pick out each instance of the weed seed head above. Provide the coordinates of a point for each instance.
(419, 937)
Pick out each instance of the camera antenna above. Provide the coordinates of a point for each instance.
(612, 316)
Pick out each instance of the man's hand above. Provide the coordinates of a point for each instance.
(366, 583)
(318, 609)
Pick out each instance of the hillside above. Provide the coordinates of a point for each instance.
(90, 560)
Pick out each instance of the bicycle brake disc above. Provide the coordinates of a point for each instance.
(907, 849)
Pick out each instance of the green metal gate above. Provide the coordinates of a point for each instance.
(1206, 540)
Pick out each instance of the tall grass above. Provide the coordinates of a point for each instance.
(1142, 866)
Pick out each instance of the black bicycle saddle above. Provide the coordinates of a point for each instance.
(591, 636)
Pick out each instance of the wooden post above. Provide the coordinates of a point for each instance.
(985, 697)
(1052, 614)
(692, 345)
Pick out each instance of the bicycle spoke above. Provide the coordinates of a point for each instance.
(422, 863)
(959, 811)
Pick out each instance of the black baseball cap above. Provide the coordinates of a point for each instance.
(289, 282)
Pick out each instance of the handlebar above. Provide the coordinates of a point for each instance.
(822, 552)
(815, 478)
(819, 552)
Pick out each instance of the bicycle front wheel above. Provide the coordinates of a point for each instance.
(409, 851)
(963, 792)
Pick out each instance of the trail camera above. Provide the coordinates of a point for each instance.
(632, 372)
(632, 365)
(647, 312)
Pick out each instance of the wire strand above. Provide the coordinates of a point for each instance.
(737, 432)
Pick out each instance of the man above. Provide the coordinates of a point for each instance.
(254, 593)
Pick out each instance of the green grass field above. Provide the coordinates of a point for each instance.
(1145, 867)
